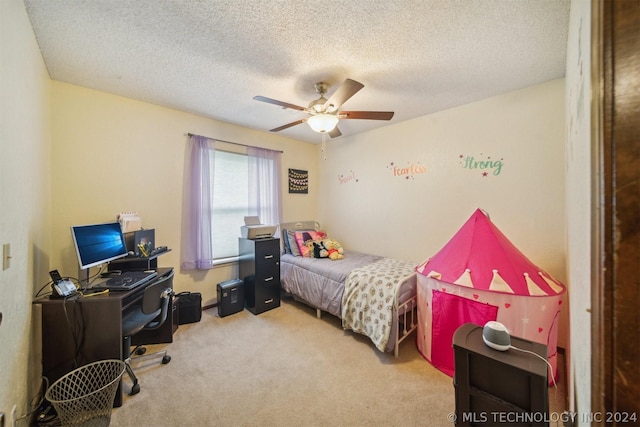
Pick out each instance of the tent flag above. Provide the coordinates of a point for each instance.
(557, 287)
(534, 289)
(498, 284)
(464, 280)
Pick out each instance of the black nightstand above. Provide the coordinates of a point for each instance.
(499, 387)
(260, 270)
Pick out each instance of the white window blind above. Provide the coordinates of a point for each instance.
(230, 202)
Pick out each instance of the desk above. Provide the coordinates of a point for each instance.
(80, 331)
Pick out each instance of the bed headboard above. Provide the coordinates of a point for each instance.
(297, 225)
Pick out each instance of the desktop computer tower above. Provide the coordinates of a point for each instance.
(230, 297)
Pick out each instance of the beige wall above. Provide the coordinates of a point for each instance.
(413, 215)
(403, 190)
(113, 154)
(25, 200)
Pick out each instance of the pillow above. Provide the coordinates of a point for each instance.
(302, 237)
(285, 242)
(291, 241)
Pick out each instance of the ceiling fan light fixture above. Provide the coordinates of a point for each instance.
(324, 114)
(323, 123)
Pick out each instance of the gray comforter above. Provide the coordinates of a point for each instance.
(320, 283)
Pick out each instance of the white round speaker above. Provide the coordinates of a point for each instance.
(496, 336)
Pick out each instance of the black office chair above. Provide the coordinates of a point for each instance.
(148, 315)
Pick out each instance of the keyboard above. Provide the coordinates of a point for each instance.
(126, 281)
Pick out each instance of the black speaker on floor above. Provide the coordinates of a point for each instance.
(230, 297)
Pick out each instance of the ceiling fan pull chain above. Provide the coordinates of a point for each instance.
(324, 146)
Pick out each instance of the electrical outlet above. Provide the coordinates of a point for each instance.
(6, 256)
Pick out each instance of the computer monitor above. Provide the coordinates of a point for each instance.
(98, 243)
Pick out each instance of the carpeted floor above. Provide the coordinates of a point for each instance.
(285, 367)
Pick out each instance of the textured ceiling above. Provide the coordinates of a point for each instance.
(414, 57)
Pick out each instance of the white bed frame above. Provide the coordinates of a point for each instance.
(408, 324)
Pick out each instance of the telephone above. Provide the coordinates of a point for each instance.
(61, 287)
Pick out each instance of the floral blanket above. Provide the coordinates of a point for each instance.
(369, 297)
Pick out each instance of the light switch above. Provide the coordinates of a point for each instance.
(6, 256)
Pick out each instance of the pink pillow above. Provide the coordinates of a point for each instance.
(304, 236)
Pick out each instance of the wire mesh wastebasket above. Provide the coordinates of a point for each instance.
(84, 397)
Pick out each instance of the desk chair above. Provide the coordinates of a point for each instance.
(148, 315)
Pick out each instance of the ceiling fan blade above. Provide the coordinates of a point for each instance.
(288, 125)
(335, 132)
(279, 103)
(343, 93)
(366, 115)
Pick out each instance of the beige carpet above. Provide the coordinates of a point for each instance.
(284, 367)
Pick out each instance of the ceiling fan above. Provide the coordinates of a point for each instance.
(324, 114)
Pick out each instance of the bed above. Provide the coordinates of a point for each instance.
(373, 295)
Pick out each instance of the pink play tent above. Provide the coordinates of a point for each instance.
(479, 275)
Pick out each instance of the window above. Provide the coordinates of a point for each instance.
(221, 188)
(230, 201)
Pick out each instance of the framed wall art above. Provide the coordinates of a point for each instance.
(298, 181)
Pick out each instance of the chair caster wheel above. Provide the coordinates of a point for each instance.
(135, 389)
(166, 359)
(141, 351)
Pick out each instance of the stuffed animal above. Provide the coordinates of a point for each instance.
(319, 251)
(309, 248)
(334, 249)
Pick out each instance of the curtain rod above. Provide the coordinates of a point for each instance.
(235, 143)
